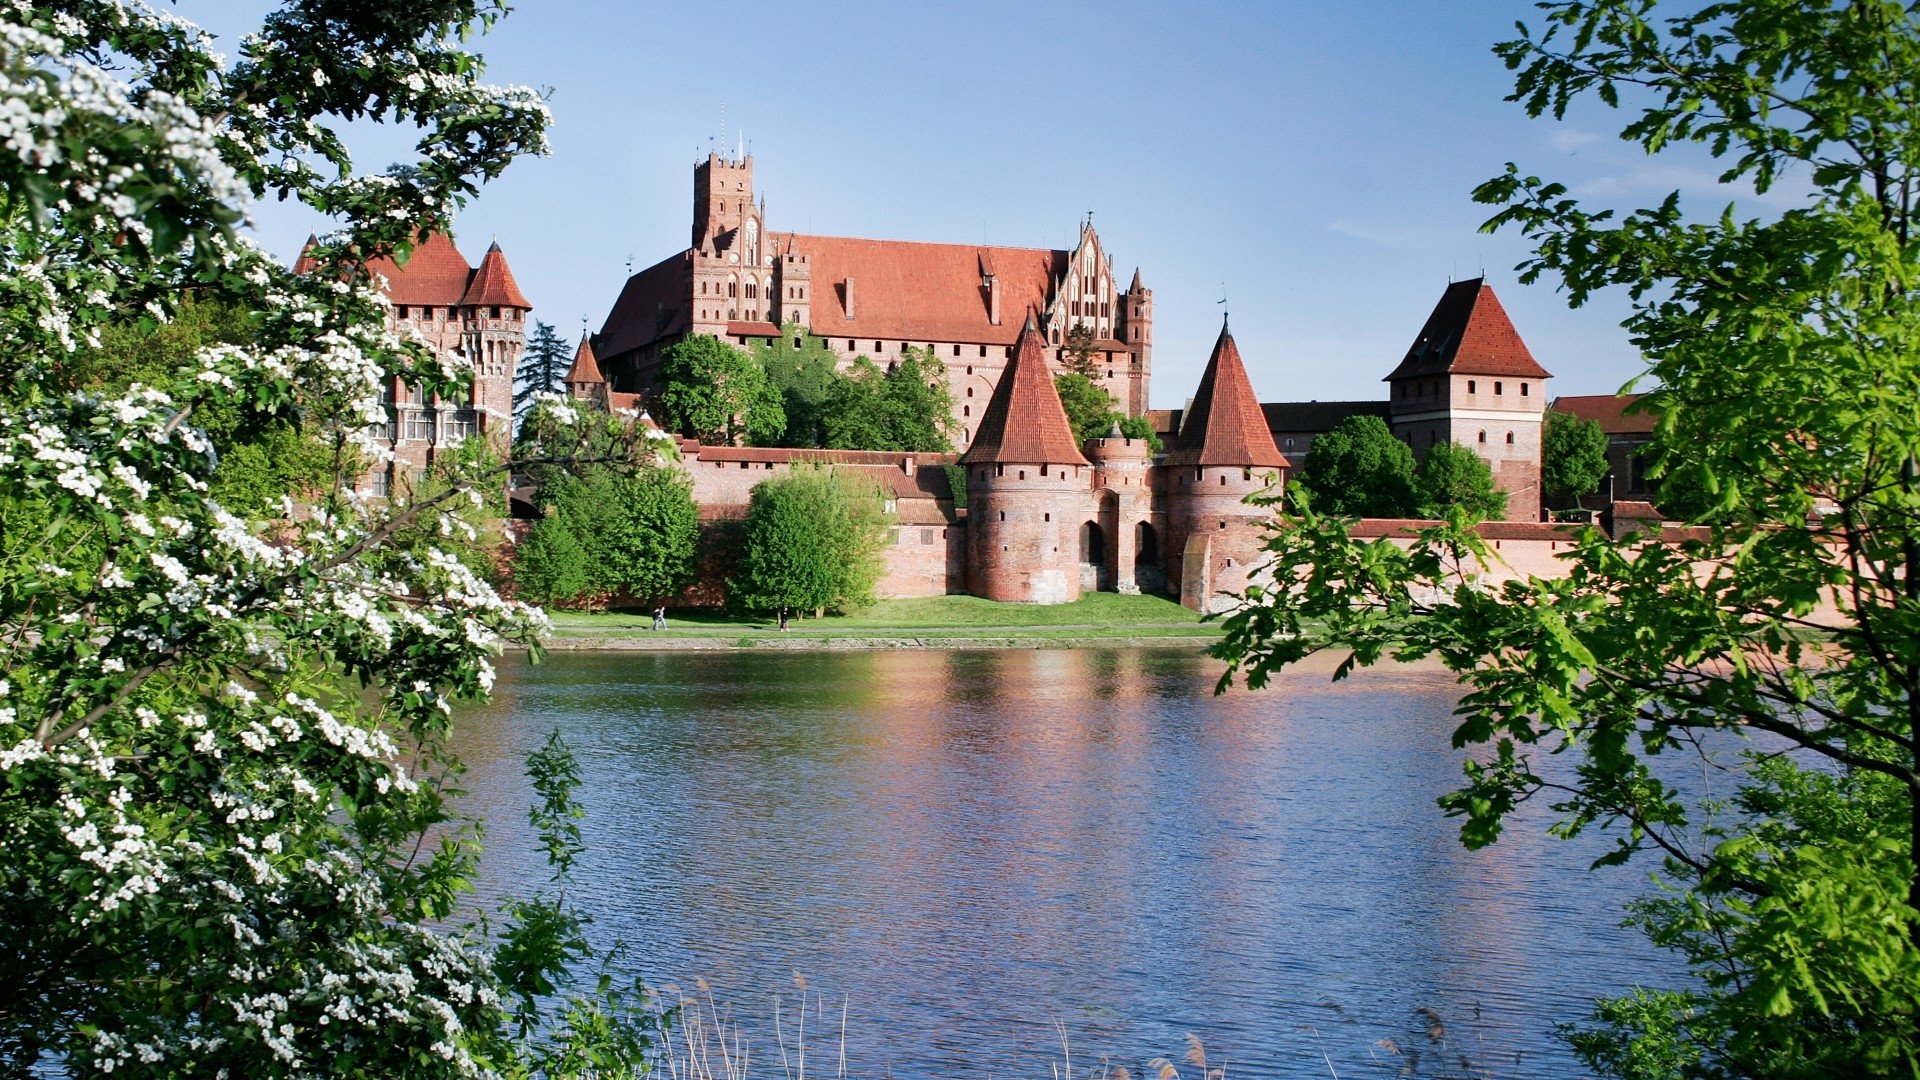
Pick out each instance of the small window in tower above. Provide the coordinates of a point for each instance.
(796, 343)
(1496, 388)
(1289, 444)
(1003, 517)
(1472, 387)
(1223, 524)
(403, 311)
(956, 350)
(1223, 479)
(969, 389)
(983, 352)
(966, 410)
(1043, 470)
(876, 346)
(496, 313)
(850, 345)
(999, 470)
(1047, 517)
(1523, 389)
(1509, 438)
(1483, 436)
(1023, 474)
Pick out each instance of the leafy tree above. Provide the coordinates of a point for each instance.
(635, 529)
(1089, 407)
(1454, 476)
(804, 375)
(1359, 469)
(226, 845)
(542, 368)
(1079, 352)
(1784, 350)
(716, 393)
(812, 540)
(1139, 427)
(908, 408)
(551, 565)
(1573, 457)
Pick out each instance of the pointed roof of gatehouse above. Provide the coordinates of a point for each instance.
(1224, 425)
(1025, 421)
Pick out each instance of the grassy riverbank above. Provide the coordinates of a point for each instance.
(927, 622)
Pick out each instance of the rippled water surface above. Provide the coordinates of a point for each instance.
(972, 846)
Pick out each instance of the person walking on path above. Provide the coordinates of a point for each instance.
(660, 617)
(783, 619)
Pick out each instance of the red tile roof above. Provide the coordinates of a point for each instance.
(493, 284)
(653, 304)
(752, 329)
(912, 291)
(1224, 425)
(586, 366)
(1613, 412)
(304, 264)
(1025, 421)
(1469, 334)
(435, 273)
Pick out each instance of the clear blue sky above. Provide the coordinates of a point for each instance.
(1316, 158)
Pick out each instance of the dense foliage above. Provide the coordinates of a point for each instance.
(1092, 414)
(1453, 476)
(225, 840)
(716, 393)
(1785, 355)
(1359, 469)
(803, 371)
(1573, 458)
(609, 532)
(907, 407)
(811, 541)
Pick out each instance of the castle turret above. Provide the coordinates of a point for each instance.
(1223, 454)
(1126, 505)
(1029, 493)
(1136, 330)
(585, 380)
(495, 332)
(1469, 379)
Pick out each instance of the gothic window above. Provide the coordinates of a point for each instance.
(733, 288)
(1483, 436)
(1509, 438)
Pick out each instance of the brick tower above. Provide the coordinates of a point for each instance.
(1136, 329)
(1028, 488)
(1224, 453)
(494, 333)
(1120, 476)
(1469, 379)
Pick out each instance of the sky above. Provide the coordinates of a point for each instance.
(1311, 163)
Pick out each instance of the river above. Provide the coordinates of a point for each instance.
(966, 848)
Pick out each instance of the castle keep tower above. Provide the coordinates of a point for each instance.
(1028, 488)
(1224, 454)
(1469, 379)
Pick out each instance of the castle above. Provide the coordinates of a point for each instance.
(1040, 517)
(739, 281)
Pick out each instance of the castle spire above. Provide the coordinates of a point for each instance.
(493, 283)
(1224, 425)
(1025, 421)
(586, 366)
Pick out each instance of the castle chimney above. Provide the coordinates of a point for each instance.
(907, 465)
(849, 297)
(993, 300)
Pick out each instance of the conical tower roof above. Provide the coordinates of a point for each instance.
(586, 366)
(493, 284)
(1025, 421)
(305, 264)
(1224, 425)
(1469, 334)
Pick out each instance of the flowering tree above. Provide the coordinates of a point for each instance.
(225, 843)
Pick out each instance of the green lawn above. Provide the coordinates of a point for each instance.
(1095, 611)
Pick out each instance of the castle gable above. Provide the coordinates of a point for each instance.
(1469, 333)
